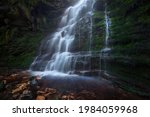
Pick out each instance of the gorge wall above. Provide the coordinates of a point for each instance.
(129, 41)
(23, 24)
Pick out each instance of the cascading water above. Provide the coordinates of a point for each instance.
(69, 48)
(107, 32)
(105, 52)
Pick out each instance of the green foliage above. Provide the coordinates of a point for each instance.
(130, 40)
(97, 43)
(21, 51)
(130, 27)
(98, 30)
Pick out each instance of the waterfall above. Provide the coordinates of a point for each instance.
(106, 48)
(71, 44)
(107, 28)
(105, 52)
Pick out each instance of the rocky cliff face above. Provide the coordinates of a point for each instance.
(129, 41)
(22, 26)
(23, 14)
(130, 34)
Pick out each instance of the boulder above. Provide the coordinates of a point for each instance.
(20, 88)
(40, 97)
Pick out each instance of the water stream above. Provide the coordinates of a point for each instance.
(106, 48)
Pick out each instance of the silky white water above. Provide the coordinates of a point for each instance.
(58, 53)
(106, 48)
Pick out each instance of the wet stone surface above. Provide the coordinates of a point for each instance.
(23, 86)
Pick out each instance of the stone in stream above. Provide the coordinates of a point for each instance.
(15, 96)
(40, 92)
(26, 95)
(20, 88)
(34, 85)
(71, 96)
(86, 95)
(48, 93)
(83, 95)
(50, 90)
(53, 94)
(40, 97)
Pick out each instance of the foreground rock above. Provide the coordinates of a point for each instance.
(22, 86)
(14, 85)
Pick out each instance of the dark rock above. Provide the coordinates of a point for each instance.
(70, 96)
(39, 97)
(26, 95)
(86, 95)
(15, 96)
(50, 90)
(1, 78)
(40, 92)
(20, 88)
(1, 86)
(48, 93)
(99, 5)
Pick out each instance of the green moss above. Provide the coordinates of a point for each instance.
(98, 30)
(132, 78)
(130, 27)
(21, 51)
(97, 43)
(99, 14)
